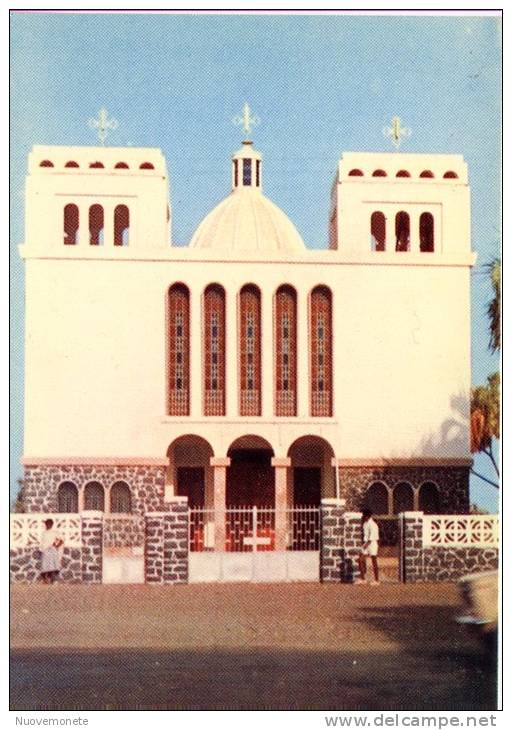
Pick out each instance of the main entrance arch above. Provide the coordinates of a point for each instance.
(250, 475)
(189, 473)
(312, 474)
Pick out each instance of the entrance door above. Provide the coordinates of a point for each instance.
(307, 486)
(250, 479)
(191, 484)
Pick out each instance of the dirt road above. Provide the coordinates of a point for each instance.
(244, 646)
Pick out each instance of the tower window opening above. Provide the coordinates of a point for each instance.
(450, 175)
(146, 166)
(96, 225)
(121, 225)
(403, 173)
(121, 166)
(286, 351)
(355, 173)
(258, 166)
(71, 220)
(46, 163)
(378, 231)
(235, 172)
(97, 165)
(402, 231)
(247, 171)
(320, 351)
(427, 173)
(71, 163)
(379, 173)
(179, 350)
(426, 232)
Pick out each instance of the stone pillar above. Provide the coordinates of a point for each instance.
(220, 464)
(411, 546)
(166, 537)
(331, 540)
(352, 546)
(92, 546)
(281, 501)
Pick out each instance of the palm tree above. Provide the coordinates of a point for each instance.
(494, 306)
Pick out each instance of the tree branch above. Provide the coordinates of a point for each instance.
(485, 478)
(491, 457)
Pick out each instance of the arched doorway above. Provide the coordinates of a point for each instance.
(312, 474)
(250, 476)
(189, 472)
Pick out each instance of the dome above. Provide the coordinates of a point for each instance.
(248, 222)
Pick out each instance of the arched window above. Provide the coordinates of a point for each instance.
(146, 166)
(379, 173)
(46, 163)
(96, 223)
(427, 173)
(67, 497)
(120, 498)
(402, 231)
(121, 166)
(403, 498)
(97, 165)
(450, 175)
(321, 351)
(355, 173)
(246, 171)
(403, 173)
(426, 232)
(235, 172)
(429, 499)
(378, 231)
(250, 351)
(377, 498)
(214, 351)
(94, 496)
(179, 350)
(71, 224)
(286, 351)
(71, 163)
(121, 225)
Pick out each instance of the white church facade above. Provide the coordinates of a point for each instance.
(245, 369)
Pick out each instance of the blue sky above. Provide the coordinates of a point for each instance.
(320, 84)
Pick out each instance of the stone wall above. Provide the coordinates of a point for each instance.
(41, 483)
(166, 534)
(331, 540)
(453, 482)
(25, 565)
(353, 542)
(123, 531)
(92, 547)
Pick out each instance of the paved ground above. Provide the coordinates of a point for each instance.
(295, 646)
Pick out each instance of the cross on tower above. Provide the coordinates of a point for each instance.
(103, 124)
(396, 132)
(246, 120)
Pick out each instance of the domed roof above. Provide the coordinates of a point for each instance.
(248, 222)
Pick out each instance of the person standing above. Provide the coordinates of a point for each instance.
(51, 551)
(370, 547)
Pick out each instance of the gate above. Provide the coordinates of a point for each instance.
(260, 545)
(123, 548)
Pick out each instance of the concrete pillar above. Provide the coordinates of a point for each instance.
(92, 546)
(196, 354)
(281, 501)
(219, 464)
(411, 546)
(331, 540)
(81, 499)
(108, 226)
(267, 355)
(83, 225)
(231, 394)
(303, 380)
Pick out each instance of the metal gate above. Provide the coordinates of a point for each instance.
(254, 544)
(123, 548)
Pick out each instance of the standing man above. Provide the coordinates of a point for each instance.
(370, 546)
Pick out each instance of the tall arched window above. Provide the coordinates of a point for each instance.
(71, 224)
(377, 498)
(121, 225)
(94, 496)
(250, 351)
(179, 350)
(120, 498)
(403, 498)
(286, 351)
(427, 232)
(67, 497)
(402, 231)
(214, 351)
(96, 224)
(321, 351)
(429, 499)
(378, 231)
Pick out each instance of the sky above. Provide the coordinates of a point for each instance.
(321, 85)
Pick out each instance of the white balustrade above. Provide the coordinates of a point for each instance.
(27, 529)
(461, 531)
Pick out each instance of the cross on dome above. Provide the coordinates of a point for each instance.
(103, 124)
(396, 132)
(246, 120)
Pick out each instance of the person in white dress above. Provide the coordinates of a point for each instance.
(51, 547)
(370, 547)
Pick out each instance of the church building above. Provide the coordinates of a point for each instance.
(246, 369)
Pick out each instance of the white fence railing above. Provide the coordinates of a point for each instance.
(255, 529)
(26, 529)
(461, 531)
